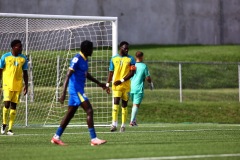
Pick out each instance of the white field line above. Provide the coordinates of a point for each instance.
(183, 157)
(163, 131)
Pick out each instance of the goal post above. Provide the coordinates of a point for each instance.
(50, 41)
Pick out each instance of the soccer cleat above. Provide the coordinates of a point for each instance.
(122, 129)
(3, 128)
(113, 128)
(132, 124)
(10, 132)
(135, 124)
(96, 141)
(57, 141)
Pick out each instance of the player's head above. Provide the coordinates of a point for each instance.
(87, 48)
(16, 46)
(124, 48)
(139, 55)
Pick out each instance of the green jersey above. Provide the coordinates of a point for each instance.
(137, 81)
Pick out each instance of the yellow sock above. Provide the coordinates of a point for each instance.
(5, 113)
(124, 115)
(115, 112)
(12, 118)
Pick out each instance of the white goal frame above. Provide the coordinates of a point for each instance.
(87, 20)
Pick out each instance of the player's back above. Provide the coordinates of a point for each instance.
(137, 81)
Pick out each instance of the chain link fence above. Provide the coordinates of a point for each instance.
(195, 81)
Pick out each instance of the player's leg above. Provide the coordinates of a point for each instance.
(73, 103)
(115, 110)
(15, 95)
(125, 98)
(137, 99)
(12, 117)
(87, 107)
(65, 121)
(5, 115)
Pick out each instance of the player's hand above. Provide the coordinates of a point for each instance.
(62, 98)
(108, 90)
(103, 85)
(25, 90)
(118, 82)
(151, 85)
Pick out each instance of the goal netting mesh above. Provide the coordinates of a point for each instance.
(50, 42)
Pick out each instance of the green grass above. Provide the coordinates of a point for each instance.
(191, 53)
(145, 141)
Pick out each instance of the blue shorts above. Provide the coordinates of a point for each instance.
(136, 97)
(76, 99)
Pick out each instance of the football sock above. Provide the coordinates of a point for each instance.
(124, 115)
(5, 112)
(134, 113)
(12, 118)
(92, 133)
(59, 131)
(115, 113)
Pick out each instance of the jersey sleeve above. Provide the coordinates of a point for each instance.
(2, 62)
(133, 62)
(25, 65)
(147, 73)
(73, 63)
(111, 66)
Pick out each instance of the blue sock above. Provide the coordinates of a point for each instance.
(59, 131)
(92, 133)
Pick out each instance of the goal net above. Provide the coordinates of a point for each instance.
(49, 42)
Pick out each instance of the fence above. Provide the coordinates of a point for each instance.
(202, 81)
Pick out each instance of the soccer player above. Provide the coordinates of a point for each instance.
(137, 85)
(121, 69)
(13, 71)
(75, 81)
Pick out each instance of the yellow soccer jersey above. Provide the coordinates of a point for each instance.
(12, 75)
(121, 67)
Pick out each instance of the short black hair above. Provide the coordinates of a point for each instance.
(123, 43)
(86, 46)
(14, 42)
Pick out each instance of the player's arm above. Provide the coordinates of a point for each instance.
(127, 77)
(1, 69)
(91, 78)
(148, 78)
(65, 85)
(25, 79)
(1, 77)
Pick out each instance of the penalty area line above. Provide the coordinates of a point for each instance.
(182, 157)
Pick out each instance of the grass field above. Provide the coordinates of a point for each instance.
(204, 126)
(147, 141)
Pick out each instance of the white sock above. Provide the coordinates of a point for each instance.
(56, 136)
(115, 123)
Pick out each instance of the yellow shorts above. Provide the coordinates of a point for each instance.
(124, 95)
(12, 96)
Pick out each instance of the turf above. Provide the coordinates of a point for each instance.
(145, 141)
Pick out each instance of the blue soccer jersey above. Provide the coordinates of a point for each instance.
(79, 64)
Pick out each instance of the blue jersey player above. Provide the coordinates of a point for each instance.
(75, 82)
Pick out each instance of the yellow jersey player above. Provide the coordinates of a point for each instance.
(121, 69)
(13, 70)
